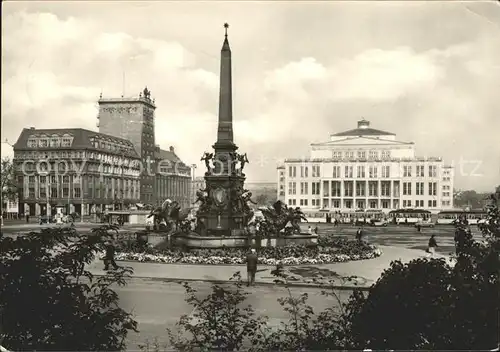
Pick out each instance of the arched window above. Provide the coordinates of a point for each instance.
(55, 141)
(32, 141)
(67, 140)
(43, 141)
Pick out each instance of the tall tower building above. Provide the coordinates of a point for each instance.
(133, 119)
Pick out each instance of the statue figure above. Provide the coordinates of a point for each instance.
(243, 159)
(207, 157)
(201, 196)
(147, 93)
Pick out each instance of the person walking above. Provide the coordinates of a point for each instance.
(309, 229)
(110, 256)
(359, 235)
(316, 230)
(432, 246)
(251, 267)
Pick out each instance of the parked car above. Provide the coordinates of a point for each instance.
(378, 222)
(424, 223)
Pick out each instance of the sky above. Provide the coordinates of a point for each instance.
(427, 71)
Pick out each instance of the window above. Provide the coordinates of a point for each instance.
(360, 189)
(372, 189)
(349, 155)
(373, 154)
(385, 189)
(335, 189)
(292, 171)
(361, 171)
(348, 172)
(432, 203)
(407, 188)
(385, 204)
(43, 179)
(315, 171)
(43, 192)
(386, 171)
(420, 171)
(432, 188)
(32, 143)
(44, 143)
(293, 187)
(373, 171)
(336, 172)
(77, 192)
(31, 179)
(31, 193)
(432, 171)
(55, 142)
(65, 179)
(303, 188)
(348, 186)
(386, 154)
(419, 188)
(406, 170)
(373, 204)
(361, 154)
(304, 171)
(317, 187)
(337, 155)
(336, 203)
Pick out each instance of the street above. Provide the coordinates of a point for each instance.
(158, 305)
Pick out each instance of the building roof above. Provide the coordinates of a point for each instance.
(81, 139)
(363, 130)
(162, 154)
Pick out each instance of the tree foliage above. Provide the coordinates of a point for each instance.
(9, 187)
(48, 301)
(430, 304)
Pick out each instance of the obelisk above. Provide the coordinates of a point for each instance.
(221, 213)
(225, 126)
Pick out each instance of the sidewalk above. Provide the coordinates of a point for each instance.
(367, 271)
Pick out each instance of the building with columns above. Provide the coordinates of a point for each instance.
(365, 168)
(74, 170)
(164, 174)
(172, 179)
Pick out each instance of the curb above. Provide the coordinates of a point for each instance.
(257, 283)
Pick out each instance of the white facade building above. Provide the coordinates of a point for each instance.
(365, 168)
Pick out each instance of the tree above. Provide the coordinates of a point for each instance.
(9, 188)
(430, 304)
(48, 301)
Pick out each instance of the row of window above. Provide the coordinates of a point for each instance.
(76, 192)
(54, 141)
(361, 171)
(419, 188)
(419, 203)
(114, 146)
(334, 188)
(362, 154)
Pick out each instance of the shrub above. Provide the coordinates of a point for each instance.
(218, 322)
(48, 301)
(428, 304)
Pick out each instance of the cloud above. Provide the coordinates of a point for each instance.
(291, 85)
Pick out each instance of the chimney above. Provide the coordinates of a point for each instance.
(172, 149)
(32, 128)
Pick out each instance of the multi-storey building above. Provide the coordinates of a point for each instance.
(74, 170)
(173, 178)
(133, 118)
(365, 168)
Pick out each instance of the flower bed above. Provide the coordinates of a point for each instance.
(329, 250)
